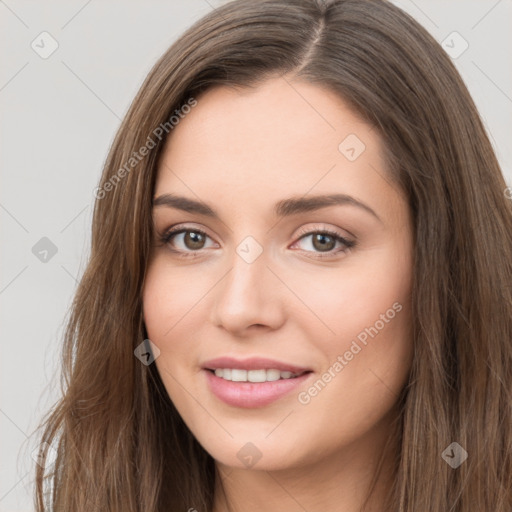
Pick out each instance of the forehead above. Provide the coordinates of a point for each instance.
(278, 139)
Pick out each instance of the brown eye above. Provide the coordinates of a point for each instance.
(323, 242)
(186, 240)
(194, 240)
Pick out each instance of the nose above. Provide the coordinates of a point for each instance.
(249, 297)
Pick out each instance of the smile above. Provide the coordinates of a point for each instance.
(262, 375)
(247, 394)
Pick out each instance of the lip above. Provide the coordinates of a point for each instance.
(254, 363)
(252, 394)
(249, 395)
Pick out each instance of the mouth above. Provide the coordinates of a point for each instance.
(254, 382)
(256, 375)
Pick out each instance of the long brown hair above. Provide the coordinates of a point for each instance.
(120, 443)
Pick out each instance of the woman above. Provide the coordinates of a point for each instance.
(298, 296)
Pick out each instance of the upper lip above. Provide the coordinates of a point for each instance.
(253, 363)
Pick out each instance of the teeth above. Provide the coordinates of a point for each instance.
(239, 375)
(273, 375)
(256, 375)
(263, 375)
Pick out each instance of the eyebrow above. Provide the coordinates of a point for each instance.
(283, 208)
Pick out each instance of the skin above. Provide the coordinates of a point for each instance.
(241, 151)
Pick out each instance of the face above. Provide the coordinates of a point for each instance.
(290, 258)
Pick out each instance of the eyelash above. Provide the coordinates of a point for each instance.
(168, 235)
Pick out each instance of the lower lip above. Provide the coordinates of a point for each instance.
(251, 394)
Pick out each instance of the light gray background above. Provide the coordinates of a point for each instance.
(59, 116)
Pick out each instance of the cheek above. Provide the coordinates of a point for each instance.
(349, 299)
(366, 338)
(169, 294)
(172, 304)
(165, 302)
(368, 357)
